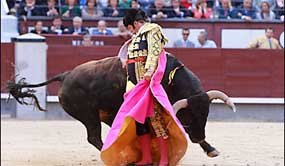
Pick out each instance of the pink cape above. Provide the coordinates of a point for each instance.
(138, 103)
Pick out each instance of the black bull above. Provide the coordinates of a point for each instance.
(93, 92)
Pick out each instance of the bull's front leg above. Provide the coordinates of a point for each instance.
(94, 135)
(193, 117)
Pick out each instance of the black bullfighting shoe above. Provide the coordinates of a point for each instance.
(208, 149)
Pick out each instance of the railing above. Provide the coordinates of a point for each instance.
(76, 40)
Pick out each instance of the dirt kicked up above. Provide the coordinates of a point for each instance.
(63, 143)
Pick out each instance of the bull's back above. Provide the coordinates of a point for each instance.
(98, 83)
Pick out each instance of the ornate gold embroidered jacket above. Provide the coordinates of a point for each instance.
(148, 42)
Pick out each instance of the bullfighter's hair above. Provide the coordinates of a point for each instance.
(133, 15)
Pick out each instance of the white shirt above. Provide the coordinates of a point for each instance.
(208, 44)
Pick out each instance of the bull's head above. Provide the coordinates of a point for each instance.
(213, 94)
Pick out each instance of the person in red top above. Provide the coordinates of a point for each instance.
(186, 3)
(202, 11)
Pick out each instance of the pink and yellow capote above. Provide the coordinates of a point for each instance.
(121, 145)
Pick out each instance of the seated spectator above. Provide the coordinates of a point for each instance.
(135, 4)
(176, 10)
(202, 11)
(51, 9)
(217, 3)
(102, 3)
(247, 11)
(184, 42)
(124, 3)
(157, 10)
(38, 28)
(41, 2)
(279, 9)
(167, 3)
(57, 27)
(112, 10)
(91, 10)
(30, 9)
(186, 4)
(102, 29)
(237, 3)
(87, 41)
(265, 42)
(77, 28)
(145, 4)
(82, 3)
(213, 3)
(122, 30)
(257, 3)
(226, 11)
(265, 13)
(203, 41)
(71, 10)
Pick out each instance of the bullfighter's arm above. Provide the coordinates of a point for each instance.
(155, 46)
(123, 53)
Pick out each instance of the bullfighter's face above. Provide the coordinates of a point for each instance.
(135, 27)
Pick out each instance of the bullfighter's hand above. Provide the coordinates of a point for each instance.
(147, 76)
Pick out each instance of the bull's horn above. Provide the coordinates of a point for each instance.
(179, 105)
(215, 94)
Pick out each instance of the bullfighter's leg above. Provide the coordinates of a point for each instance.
(143, 132)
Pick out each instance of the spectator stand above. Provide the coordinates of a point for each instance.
(221, 31)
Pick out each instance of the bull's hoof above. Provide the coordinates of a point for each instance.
(213, 153)
(209, 150)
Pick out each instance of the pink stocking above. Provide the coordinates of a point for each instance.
(163, 152)
(145, 141)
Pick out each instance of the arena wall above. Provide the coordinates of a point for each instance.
(254, 78)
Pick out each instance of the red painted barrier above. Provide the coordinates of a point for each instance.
(7, 64)
(238, 72)
(71, 57)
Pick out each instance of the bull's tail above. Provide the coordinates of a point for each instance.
(15, 89)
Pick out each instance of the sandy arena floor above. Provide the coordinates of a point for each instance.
(63, 143)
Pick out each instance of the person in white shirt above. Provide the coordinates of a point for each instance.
(184, 42)
(203, 41)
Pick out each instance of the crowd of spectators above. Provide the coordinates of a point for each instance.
(79, 10)
(156, 9)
